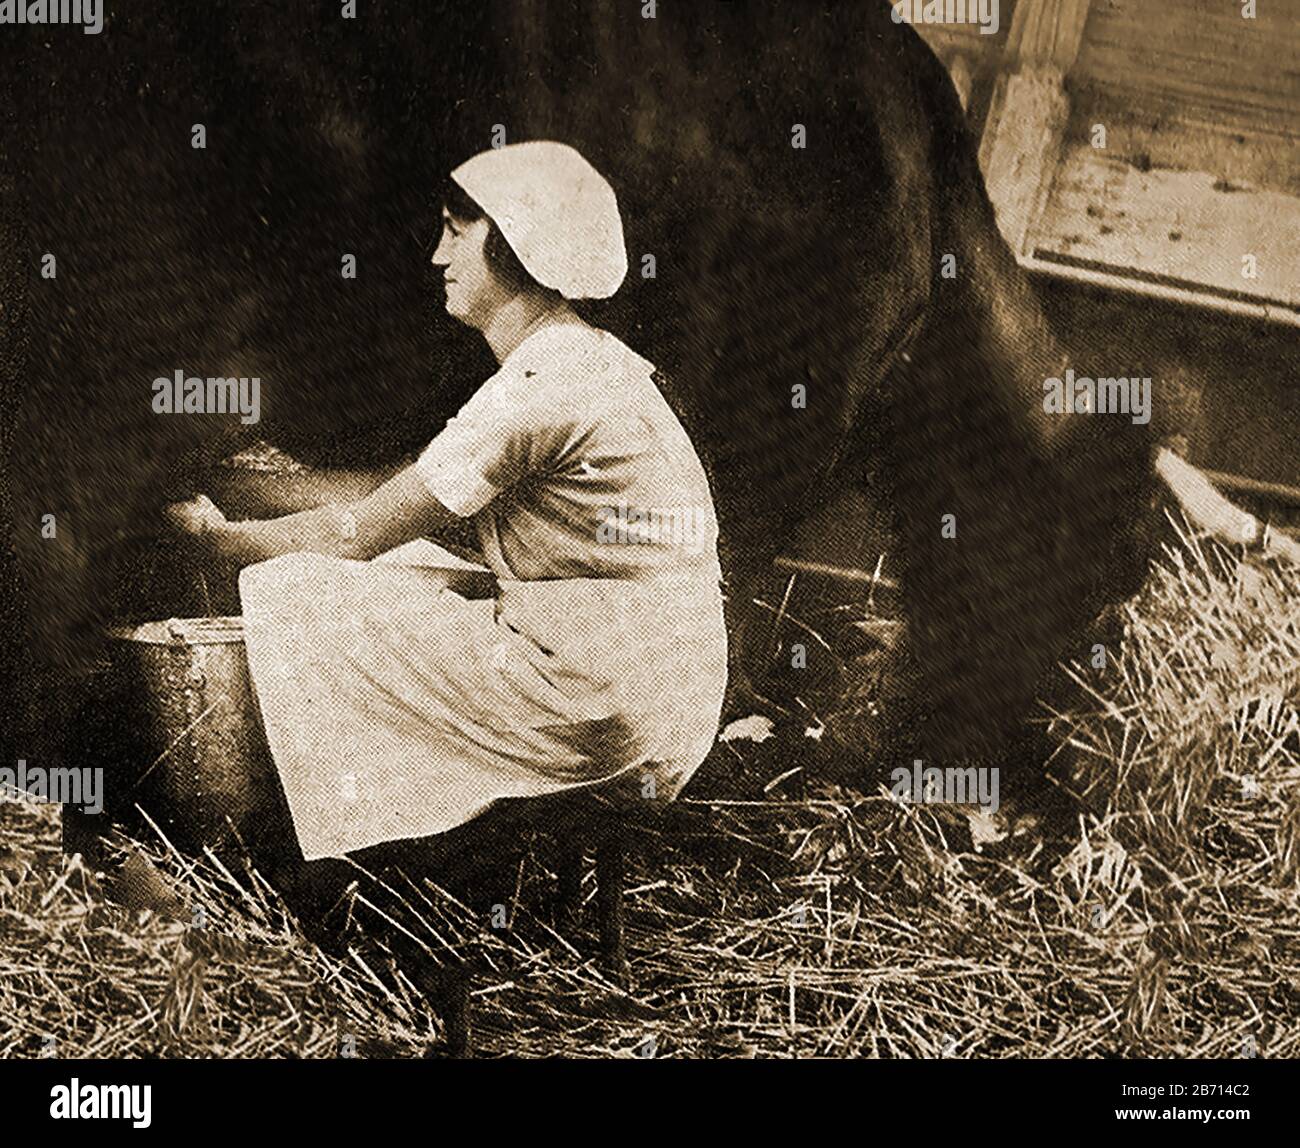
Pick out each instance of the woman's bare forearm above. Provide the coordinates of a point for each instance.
(322, 486)
(320, 530)
(399, 510)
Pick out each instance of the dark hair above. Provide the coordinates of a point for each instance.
(497, 251)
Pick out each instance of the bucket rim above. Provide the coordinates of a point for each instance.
(220, 629)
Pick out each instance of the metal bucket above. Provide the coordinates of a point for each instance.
(194, 756)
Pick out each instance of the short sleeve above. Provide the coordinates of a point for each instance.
(508, 429)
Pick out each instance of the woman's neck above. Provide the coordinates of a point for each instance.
(521, 316)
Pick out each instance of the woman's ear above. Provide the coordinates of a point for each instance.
(505, 265)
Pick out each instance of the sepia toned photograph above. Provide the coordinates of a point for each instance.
(650, 529)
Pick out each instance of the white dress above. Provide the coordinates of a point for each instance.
(395, 708)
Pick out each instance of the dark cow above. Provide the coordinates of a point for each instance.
(775, 266)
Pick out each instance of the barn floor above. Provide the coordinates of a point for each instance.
(790, 917)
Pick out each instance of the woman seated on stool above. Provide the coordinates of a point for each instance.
(395, 708)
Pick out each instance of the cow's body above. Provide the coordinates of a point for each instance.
(1048, 508)
(775, 266)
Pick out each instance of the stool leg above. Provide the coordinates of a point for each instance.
(610, 876)
(447, 991)
(568, 891)
(84, 834)
(454, 1007)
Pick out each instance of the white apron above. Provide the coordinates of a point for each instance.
(395, 708)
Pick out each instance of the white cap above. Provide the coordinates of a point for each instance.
(556, 211)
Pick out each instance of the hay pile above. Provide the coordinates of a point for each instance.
(777, 916)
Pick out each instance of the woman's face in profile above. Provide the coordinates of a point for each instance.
(473, 292)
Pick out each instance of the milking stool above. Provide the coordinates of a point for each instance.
(580, 824)
(608, 837)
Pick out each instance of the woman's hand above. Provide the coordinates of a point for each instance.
(197, 518)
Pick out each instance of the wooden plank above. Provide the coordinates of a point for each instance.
(1019, 154)
(1156, 130)
(829, 570)
(1256, 488)
(1048, 33)
(1188, 91)
(1125, 281)
(1029, 113)
(1177, 227)
(1201, 52)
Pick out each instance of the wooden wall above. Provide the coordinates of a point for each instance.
(1191, 94)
